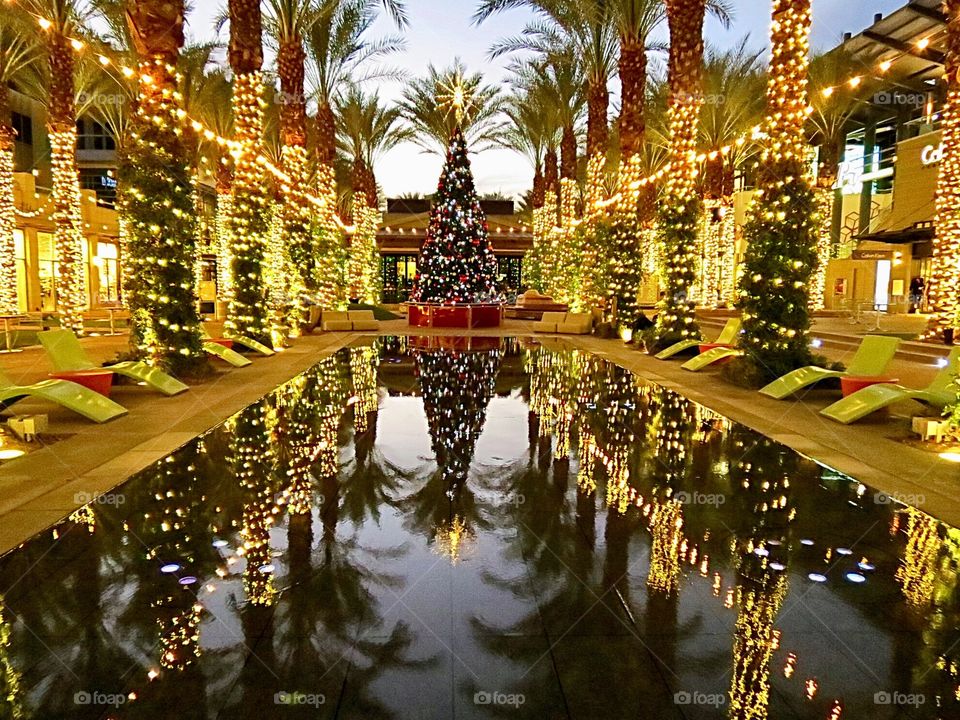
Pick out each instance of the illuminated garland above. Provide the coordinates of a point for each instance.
(252, 459)
(549, 263)
(594, 190)
(782, 224)
(11, 701)
(297, 211)
(364, 256)
(250, 219)
(818, 285)
(68, 234)
(754, 643)
(224, 244)
(9, 303)
(364, 363)
(945, 271)
(917, 573)
(679, 211)
(666, 531)
(277, 278)
(328, 273)
(158, 209)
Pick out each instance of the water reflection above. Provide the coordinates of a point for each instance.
(439, 528)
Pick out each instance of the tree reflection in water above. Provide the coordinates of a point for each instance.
(301, 534)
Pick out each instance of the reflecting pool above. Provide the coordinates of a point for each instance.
(474, 528)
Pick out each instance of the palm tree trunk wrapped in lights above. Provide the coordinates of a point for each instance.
(224, 243)
(680, 206)
(782, 227)
(250, 222)
(65, 193)
(550, 217)
(157, 201)
(8, 250)
(945, 274)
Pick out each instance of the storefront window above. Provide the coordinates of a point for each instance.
(20, 246)
(47, 271)
(107, 270)
(399, 275)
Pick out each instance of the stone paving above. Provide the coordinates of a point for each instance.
(86, 459)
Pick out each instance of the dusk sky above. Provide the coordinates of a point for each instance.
(440, 30)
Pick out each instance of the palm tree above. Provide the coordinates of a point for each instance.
(429, 104)
(828, 126)
(63, 22)
(340, 53)
(250, 223)
(158, 199)
(288, 22)
(585, 30)
(679, 211)
(734, 95)
(19, 55)
(367, 131)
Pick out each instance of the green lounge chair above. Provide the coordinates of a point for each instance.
(940, 393)
(226, 354)
(67, 355)
(714, 355)
(871, 360)
(246, 342)
(81, 400)
(728, 336)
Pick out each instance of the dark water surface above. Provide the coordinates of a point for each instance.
(428, 529)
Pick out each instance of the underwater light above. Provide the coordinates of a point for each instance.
(188, 580)
(950, 456)
(169, 568)
(864, 565)
(777, 566)
(806, 542)
(761, 551)
(219, 543)
(855, 578)
(844, 551)
(11, 453)
(266, 568)
(817, 577)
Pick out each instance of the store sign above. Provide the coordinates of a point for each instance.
(931, 154)
(872, 255)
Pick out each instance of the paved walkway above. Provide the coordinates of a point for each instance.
(44, 486)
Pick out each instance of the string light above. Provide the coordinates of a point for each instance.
(8, 251)
(944, 278)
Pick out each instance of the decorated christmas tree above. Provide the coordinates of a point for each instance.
(457, 264)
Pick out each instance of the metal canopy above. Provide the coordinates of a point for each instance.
(895, 39)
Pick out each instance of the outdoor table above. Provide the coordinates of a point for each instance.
(98, 380)
(850, 385)
(8, 334)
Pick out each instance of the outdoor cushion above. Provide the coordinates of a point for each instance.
(336, 321)
(545, 327)
(575, 324)
(549, 322)
(363, 320)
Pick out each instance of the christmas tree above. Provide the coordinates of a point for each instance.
(457, 264)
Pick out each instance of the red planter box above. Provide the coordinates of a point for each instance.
(100, 381)
(850, 385)
(454, 316)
